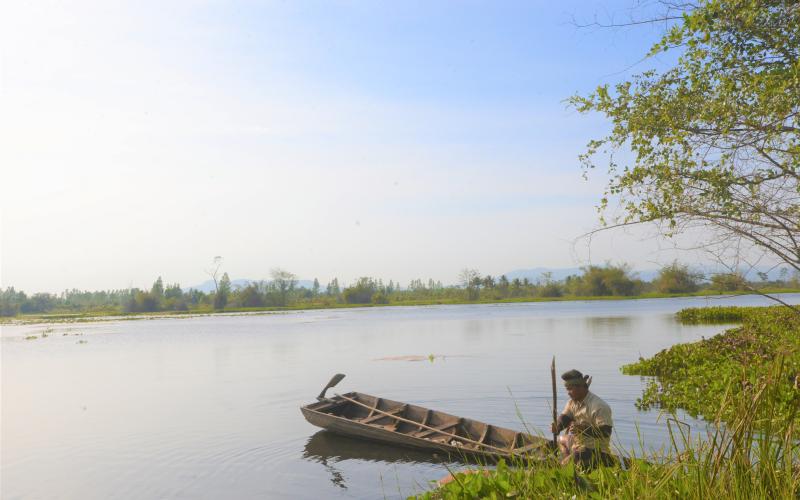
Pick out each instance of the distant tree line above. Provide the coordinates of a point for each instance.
(282, 291)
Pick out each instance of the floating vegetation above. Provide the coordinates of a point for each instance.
(695, 376)
(31, 337)
(728, 314)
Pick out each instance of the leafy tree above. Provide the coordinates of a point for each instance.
(223, 292)
(173, 291)
(333, 289)
(285, 283)
(361, 292)
(601, 281)
(470, 280)
(10, 301)
(716, 137)
(728, 282)
(550, 287)
(158, 288)
(315, 288)
(677, 278)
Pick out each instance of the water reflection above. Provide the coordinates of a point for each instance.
(326, 447)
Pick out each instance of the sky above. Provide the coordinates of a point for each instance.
(398, 140)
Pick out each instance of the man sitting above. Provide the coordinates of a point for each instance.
(588, 420)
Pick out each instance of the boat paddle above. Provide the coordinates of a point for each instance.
(334, 380)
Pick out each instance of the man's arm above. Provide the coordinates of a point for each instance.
(563, 421)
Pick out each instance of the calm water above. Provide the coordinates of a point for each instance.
(207, 407)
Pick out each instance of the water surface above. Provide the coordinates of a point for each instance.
(207, 407)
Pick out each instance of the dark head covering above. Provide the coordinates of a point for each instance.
(574, 377)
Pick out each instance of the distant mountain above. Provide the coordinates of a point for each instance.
(208, 286)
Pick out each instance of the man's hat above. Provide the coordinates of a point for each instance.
(574, 377)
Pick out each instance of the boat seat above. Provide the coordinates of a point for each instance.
(378, 416)
(443, 427)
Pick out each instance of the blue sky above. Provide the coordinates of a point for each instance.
(334, 139)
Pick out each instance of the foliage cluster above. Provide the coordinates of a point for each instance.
(282, 291)
(719, 314)
(696, 376)
(715, 138)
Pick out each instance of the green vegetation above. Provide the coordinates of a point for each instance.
(727, 314)
(696, 376)
(282, 293)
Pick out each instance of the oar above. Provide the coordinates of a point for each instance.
(334, 380)
(555, 402)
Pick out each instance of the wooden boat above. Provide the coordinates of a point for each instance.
(369, 417)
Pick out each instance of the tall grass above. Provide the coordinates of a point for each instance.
(753, 454)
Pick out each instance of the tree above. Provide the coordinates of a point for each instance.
(250, 296)
(158, 288)
(677, 278)
(315, 288)
(213, 271)
(716, 137)
(333, 289)
(361, 292)
(470, 279)
(728, 282)
(285, 283)
(223, 291)
(604, 281)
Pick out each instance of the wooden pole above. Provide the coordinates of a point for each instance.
(555, 403)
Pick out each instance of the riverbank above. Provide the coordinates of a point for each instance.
(745, 382)
(117, 315)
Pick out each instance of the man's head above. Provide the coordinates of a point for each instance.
(577, 384)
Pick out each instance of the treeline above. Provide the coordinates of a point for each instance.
(282, 291)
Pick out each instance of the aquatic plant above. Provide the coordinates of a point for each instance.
(695, 376)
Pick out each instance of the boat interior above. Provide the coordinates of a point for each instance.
(435, 426)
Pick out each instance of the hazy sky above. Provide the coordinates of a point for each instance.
(389, 139)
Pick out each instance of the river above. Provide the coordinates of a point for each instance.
(208, 407)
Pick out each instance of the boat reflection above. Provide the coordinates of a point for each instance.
(326, 447)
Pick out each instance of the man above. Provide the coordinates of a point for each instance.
(588, 419)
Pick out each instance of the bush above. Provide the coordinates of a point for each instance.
(677, 278)
(361, 292)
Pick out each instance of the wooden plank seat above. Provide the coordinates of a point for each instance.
(437, 429)
(388, 414)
